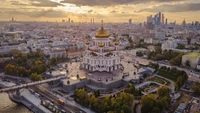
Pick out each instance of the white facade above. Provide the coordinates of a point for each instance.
(169, 44)
(102, 55)
(55, 52)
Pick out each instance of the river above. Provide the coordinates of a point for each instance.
(8, 106)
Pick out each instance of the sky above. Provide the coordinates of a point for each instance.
(107, 10)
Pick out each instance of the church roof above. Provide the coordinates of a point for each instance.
(102, 33)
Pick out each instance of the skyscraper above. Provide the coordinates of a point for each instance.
(150, 22)
(166, 21)
(69, 20)
(130, 21)
(159, 18)
(163, 19)
(13, 19)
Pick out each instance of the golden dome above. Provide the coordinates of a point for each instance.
(102, 33)
(101, 44)
(87, 42)
(116, 42)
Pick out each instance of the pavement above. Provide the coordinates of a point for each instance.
(33, 99)
(52, 97)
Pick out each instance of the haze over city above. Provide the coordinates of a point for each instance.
(107, 10)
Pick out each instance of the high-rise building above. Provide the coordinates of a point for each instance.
(166, 21)
(150, 22)
(93, 20)
(183, 23)
(130, 21)
(163, 17)
(12, 19)
(159, 18)
(69, 20)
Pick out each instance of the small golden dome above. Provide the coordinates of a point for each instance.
(87, 42)
(116, 42)
(101, 44)
(102, 33)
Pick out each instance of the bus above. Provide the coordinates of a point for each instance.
(60, 101)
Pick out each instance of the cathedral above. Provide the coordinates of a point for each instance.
(101, 53)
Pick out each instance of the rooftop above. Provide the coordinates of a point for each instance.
(193, 55)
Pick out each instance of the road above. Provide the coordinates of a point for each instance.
(50, 96)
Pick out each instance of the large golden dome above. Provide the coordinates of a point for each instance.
(102, 33)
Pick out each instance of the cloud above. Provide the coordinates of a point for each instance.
(90, 11)
(173, 8)
(113, 11)
(111, 2)
(50, 13)
(37, 3)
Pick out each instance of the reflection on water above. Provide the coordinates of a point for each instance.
(8, 106)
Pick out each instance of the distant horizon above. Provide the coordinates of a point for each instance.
(116, 11)
(97, 22)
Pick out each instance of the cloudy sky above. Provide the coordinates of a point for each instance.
(107, 10)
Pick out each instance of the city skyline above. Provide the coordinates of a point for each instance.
(109, 11)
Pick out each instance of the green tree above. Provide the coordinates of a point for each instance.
(180, 46)
(9, 69)
(187, 63)
(188, 41)
(177, 60)
(148, 102)
(155, 110)
(130, 89)
(162, 92)
(139, 53)
(179, 82)
(35, 77)
(196, 88)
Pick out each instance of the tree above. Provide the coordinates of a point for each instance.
(177, 60)
(148, 102)
(35, 77)
(187, 63)
(158, 50)
(179, 82)
(162, 92)
(139, 53)
(196, 88)
(180, 46)
(155, 110)
(130, 89)
(188, 41)
(9, 69)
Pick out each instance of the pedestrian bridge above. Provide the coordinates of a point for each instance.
(17, 87)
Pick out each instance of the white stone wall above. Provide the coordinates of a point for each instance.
(193, 61)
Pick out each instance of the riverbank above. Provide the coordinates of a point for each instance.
(9, 106)
(25, 98)
(28, 102)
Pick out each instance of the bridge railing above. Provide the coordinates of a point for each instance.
(29, 84)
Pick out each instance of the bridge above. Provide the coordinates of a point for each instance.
(17, 87)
